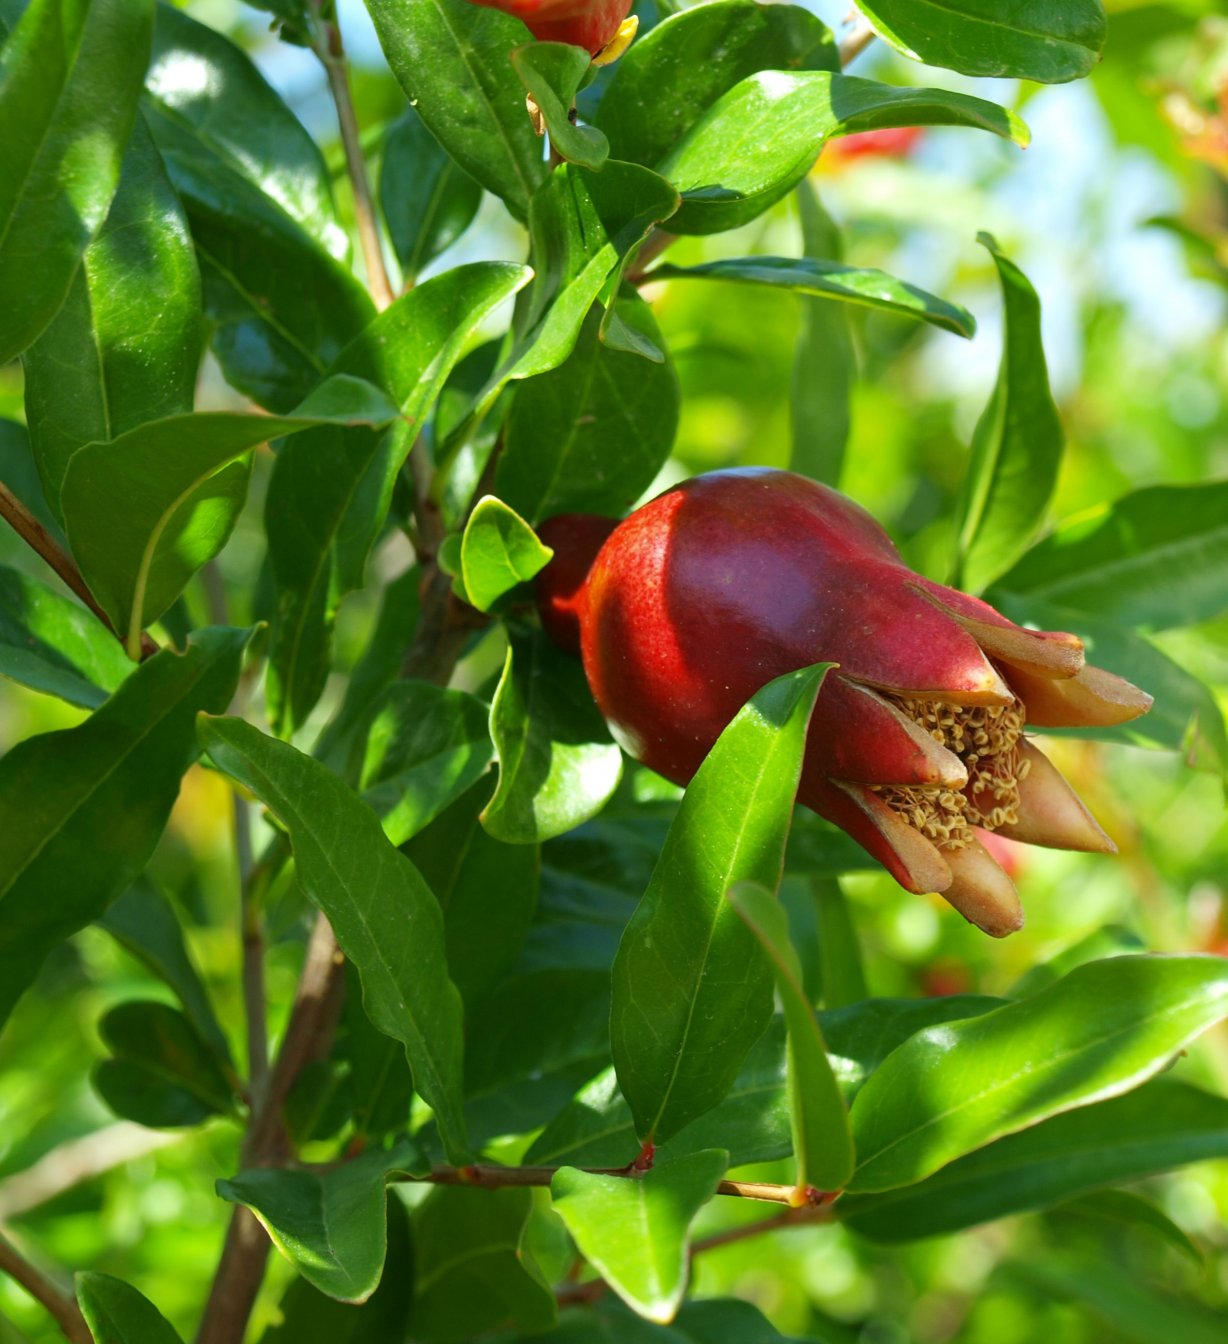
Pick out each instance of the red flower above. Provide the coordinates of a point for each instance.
(591, 24)
(731, 579)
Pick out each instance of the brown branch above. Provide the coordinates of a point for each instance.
(804, 1215)
(62, 1307)
(254, 998)
(855, 43)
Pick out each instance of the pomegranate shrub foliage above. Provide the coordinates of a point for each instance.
(419, 843)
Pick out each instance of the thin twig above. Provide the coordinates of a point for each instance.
(66, 1312)
(805, 1215)
(856, 42)
(253, 958)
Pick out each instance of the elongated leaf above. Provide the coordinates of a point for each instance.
(756, 142)
(125, 346)
(557, 763)
(552, 73)
(146, 510)
(635, 1232)
(332, 1227)
(117, 1314)
(842, 975)
(1033, 40)
(1153, 559)
(1017, 446)
(592, 434)
(70, 77)
(499, 551)
(822, 1141)
(1125, 1207)
(330, 492)
(670, 76)
(381, 1089)
(452, 61)
(19, 471)
(427, 200)
(692, 992)
(84, 807)
(51, 643)
(386, 920)
(831, 280)
(1100, 1031)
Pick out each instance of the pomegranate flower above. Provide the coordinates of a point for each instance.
(917, 745)
(591, 24)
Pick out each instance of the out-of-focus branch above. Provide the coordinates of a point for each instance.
(66, 1312)
(858, 39)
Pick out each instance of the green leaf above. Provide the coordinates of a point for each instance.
(117, 1314)
(143, 922)
(499, 551)
(822, 1141)
(84, 807)
(1103, 1029)
(674, 73)
(831, 280)
(452, 62)
(553, 73)
(824, 364)
(1032, 40)
(330, 492)
(636, 1231)
(691, 991)
(557, 763)
(424, 747)
(472, 1272)
(19, 471)
(1153, 559)
(756, 142)
(428, 202)
(70, 77)
(841, 973)
(52, 644)
(1108, 940)
(146, 510)
(332, 1227)
(1017, 446)
(1122, 1206)
(125, 346)
(1161, 1125)
(162, 1073)
(592, 434)
(385, 918)
(381, 1089)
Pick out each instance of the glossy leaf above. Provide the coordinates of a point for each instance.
(499, 551)
(161, 1072)
(381, 1088)
(557, 762)
(385, 918)
(691, 991)
(592, 434)
(671, 75)
(147, 509)
(424, 747)
(427, 200)
(332, 1227)
(729, 1320)
(1033, 40)
(1017, 446)
(635, 1231)
(452, 61)
(125, 346)
(1103, 1029)
(53, 644)
(1153, 559)
(330, 492)
(822, 1141)
(70, 77)
(552, 73)
(117, 1314)
(19, 471)
(93, 800)
(831, 280)
(756, 142)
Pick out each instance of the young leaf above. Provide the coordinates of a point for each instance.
(557, 763)
(691, 990)
(71, 78)
(331, 1227)
(635, 1231)
(85, 806)
(1103, 1029)
(499, 551)
(385, 918)
(831, 280)
(553, 72)
(1017, 446)
(822, 1141)
(117, 1314)
(1033, 40)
